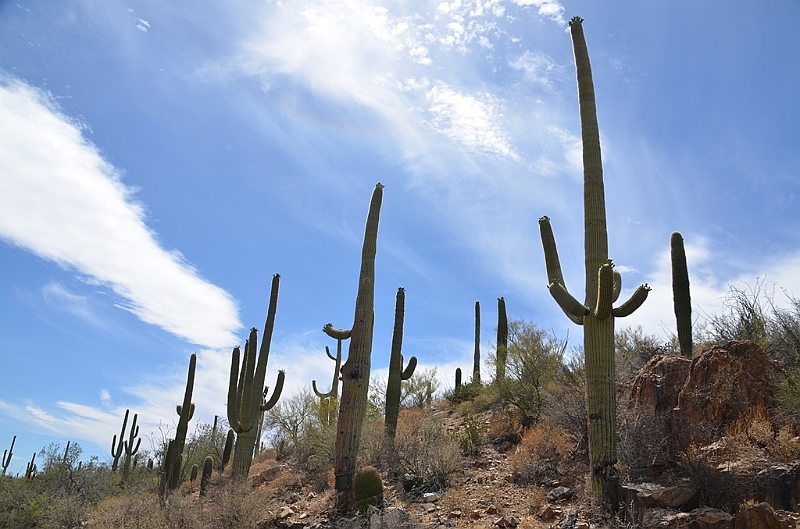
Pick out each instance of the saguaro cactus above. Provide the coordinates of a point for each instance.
(355, 371)
(476, 363)
(680, 293)
(7, 455)
(396, 372)
(245, 390)
(131, 447)
(458, 381)
(116, 450)
(208, 466)
(603, 285)
(502, 340)
(171, 477)
(329, 402)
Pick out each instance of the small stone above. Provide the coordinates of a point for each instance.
(285, 512)
(560, 494)
(506, 522)
(449, 522)
(455, 514)
(303, 516)
(430, 497)
(475, 514)
(546, 513)
(491, 509)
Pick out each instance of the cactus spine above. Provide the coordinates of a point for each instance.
(680, 293)
(603, 285)
(208, 466)
(355, 371)
(245, 390)
(396, 372)
(9, 453)
(502, 340)
(476, 363)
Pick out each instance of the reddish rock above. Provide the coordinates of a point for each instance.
(658, 383)
(680, 497)
(723, 382)
(708, 518)
(760, 516)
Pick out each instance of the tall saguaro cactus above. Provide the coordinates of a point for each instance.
(7, 455)
(680, 293)
(246, 386)
(171, 477)
(355, 371)
(131, 447)
(476, 361)
(603, 285)
(396, 372)
(502, 340)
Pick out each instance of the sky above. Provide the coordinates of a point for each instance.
(160, 162)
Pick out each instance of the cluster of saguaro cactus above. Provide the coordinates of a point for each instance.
(396, 372)
(356, 370)
(246, 389)
(476, 362)
(680, 293)
(502, 340)
(329, 402)
(7, 455)
(173, 461)
(603, 285)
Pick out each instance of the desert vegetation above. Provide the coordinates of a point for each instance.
(622, 430)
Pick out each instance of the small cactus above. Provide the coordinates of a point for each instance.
(367, 488)
(458, 381)
(208, 465)
(226, 452)
(30, 469)
(193, 473)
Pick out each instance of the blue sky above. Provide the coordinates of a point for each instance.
(159, 162)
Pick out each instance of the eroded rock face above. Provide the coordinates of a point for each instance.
(659, 382)
(761, 516)
(723, 382)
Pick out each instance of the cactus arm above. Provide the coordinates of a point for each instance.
(571, 306)
(318, 393)
(409, 370)
(276, 393)
(338, 334)
(249, 394)
(233, 392)
(10, 453)
(551, 261)
(605, 291)
(335, 359)
(574, 309)
(635, 301)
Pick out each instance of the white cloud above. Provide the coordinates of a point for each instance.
(62, 201)
(547, 8)
(539, 68)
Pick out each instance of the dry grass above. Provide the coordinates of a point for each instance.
(537, 458)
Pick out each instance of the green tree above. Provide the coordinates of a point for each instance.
(534, 358)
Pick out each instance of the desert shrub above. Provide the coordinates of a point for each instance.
(537, 457)
(567, 407)
(641, 439)
(718, 487)
(424, 449)
(472, 435)
(533, 359)
(785, 446)
(633, 349)
(420, 389)
(504, 430)
(466, 393)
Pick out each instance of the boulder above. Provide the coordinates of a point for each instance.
(658, 383)
(760, 516)
(723, 382)
(779, 486)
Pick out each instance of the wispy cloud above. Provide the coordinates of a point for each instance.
(62, 201)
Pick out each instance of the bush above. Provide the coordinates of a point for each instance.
(533, 360)
(424, 449)
(537, 458)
